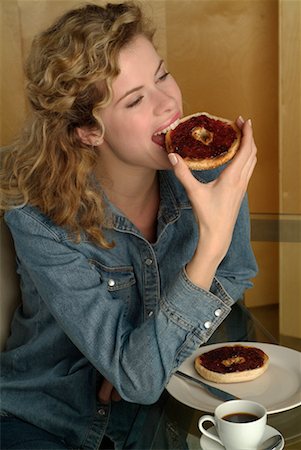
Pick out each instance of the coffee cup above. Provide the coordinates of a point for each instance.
(240, 424)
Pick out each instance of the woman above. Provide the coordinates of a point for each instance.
(128, 261)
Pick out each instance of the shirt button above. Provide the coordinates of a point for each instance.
(207, 324)
(101, 412)
(148, 261)
(111, 282)
(218, 312)
(150, 313)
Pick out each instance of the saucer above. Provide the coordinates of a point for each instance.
(210, 444)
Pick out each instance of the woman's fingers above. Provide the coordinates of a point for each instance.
(243, 161)
(240, 121)
(104, 393)
(233, 180)
(183, 172)
(107, 392)
(242, 165)
(247, 143)
(248, 146)
(115, 396)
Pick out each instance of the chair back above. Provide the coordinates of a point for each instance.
(9, 283)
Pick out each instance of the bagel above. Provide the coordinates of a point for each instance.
(204, 141)
(232, 364)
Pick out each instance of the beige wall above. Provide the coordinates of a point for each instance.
(225, 56)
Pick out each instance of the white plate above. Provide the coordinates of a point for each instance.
(278, 389)
(209, 444)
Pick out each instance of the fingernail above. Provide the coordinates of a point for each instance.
(250, 122)
(241, 119)
(173, 159)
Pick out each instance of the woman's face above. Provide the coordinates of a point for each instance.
(146, 100)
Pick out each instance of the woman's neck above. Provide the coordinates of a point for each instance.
(136, 194)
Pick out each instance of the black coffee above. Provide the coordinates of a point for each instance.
(240, 417)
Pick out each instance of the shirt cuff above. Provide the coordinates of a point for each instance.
(196, 309)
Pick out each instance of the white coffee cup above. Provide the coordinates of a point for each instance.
(245, 435)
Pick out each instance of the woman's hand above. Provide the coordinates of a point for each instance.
(216, 206)
(108, 393)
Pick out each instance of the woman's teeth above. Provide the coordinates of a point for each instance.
(170, 127)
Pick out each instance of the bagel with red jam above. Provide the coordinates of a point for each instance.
(204, 141)
(232, 364)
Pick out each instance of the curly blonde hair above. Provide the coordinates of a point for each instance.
(70, 70)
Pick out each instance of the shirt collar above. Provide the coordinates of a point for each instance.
(173, 199)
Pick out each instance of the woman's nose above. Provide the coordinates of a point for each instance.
(163, 102)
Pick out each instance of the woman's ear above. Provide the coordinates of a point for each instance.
(90, 136)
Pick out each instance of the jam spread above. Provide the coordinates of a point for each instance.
(230, 359)
(187, 145)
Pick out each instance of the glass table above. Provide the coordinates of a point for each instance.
(240, 326)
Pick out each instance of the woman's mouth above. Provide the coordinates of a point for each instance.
(159, 136)
(159, 139)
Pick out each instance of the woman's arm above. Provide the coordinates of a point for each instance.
(216, 206)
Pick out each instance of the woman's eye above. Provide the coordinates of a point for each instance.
(135, 102)
(164, 76)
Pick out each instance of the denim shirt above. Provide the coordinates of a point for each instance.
(129, 313)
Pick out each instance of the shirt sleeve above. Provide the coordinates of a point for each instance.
(239, 266)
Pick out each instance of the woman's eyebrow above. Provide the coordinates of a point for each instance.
(138, 87)
(159, 66)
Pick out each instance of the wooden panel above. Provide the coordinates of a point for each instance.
(290, 163)
(265, 290)
(290, 106)
(290, 289)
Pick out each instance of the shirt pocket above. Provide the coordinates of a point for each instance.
(121, 286)
(117, 279)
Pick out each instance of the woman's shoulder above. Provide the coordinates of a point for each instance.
(31, 220)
